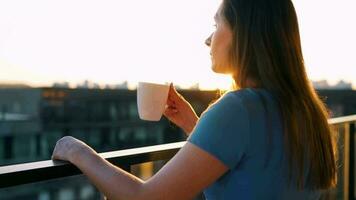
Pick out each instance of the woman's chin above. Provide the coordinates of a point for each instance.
(215, 69)
(218, 70)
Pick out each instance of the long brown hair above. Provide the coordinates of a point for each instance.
(266, 48)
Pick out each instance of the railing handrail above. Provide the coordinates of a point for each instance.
(18, 174)
(343, 119)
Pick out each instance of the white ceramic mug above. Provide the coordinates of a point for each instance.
(151, 100)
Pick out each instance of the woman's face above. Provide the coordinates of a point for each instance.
(220, 43)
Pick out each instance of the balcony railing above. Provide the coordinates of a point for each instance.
(14, 175)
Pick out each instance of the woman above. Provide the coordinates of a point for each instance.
(268, 139)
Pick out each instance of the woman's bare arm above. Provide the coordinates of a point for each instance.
(183, 177)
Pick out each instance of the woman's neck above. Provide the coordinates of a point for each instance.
(250, 83)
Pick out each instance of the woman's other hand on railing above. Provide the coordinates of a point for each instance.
(68, 148)
(180, 112)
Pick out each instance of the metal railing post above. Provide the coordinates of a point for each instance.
(352, 161)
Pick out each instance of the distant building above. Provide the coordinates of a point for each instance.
(195, 86)
(10, 85)
(61, 85)
(19, 111)
(96, 86)
(88, 85)
(343, 85)
(123, 85)
(323, 84)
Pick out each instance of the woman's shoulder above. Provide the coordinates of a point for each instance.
(242, 99)
(240, 96)
(248, 92)
(229, 102)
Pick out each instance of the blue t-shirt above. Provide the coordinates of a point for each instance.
(243, 130)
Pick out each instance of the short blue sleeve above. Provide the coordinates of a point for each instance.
(223, 130)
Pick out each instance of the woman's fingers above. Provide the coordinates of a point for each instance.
(171, 109)
(58, 151)
(66, 147)
(170, 112)
(170, 102)
(173, 94)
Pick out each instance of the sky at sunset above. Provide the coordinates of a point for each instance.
(110, 41)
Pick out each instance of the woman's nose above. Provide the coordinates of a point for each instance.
(208, 40)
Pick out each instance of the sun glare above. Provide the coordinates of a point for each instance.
(222, 82)
(40, 46)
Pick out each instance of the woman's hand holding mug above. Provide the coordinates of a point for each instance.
(180, 112)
